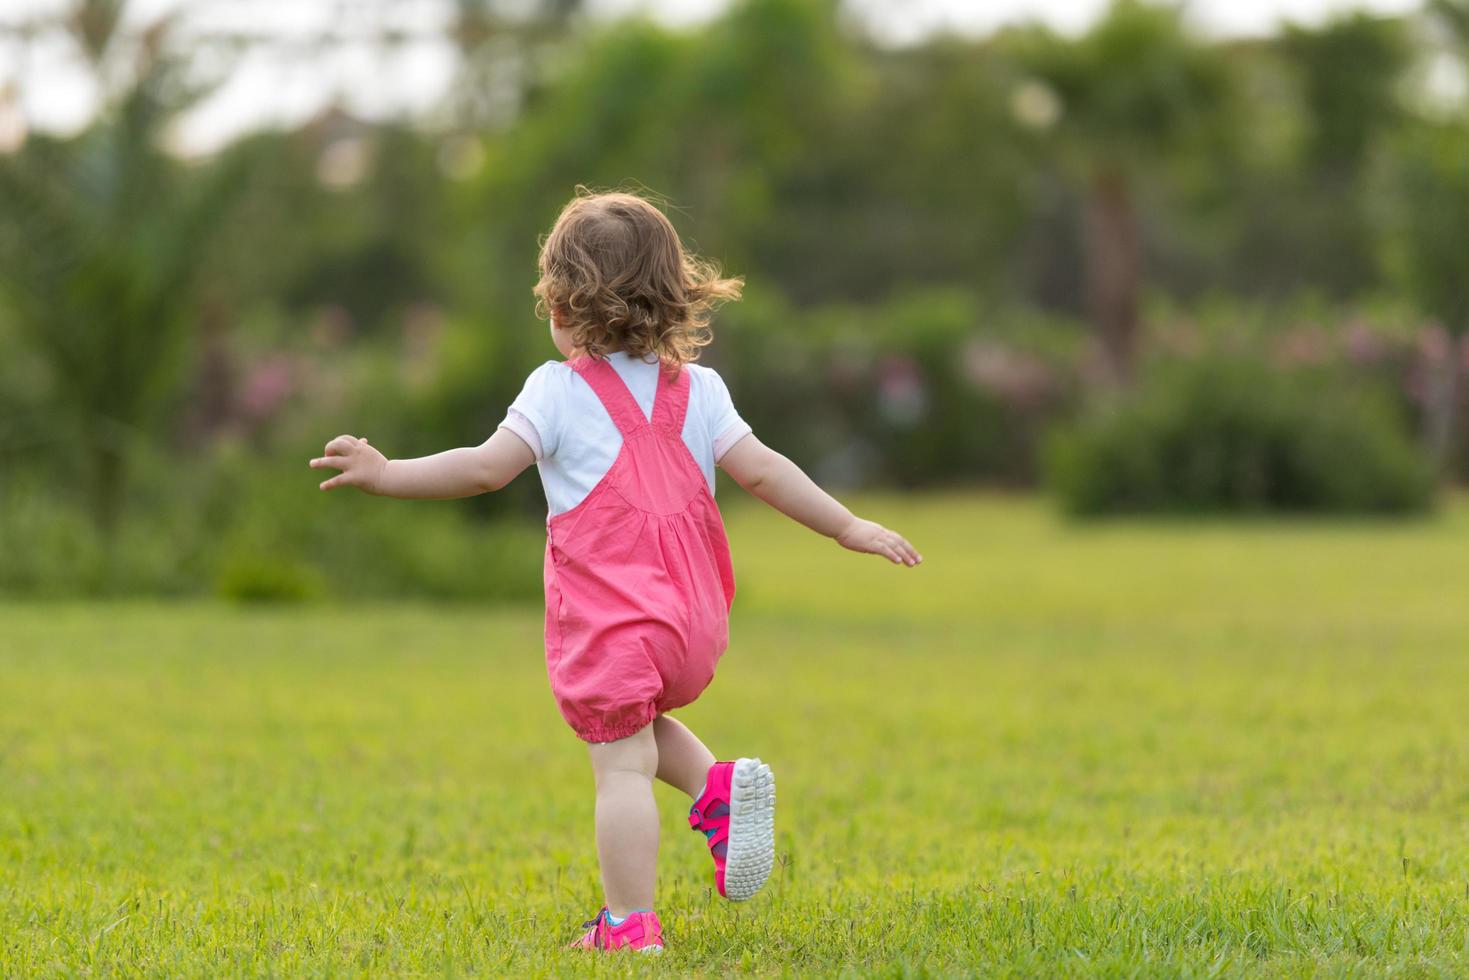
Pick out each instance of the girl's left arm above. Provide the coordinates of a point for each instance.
(442, 476)
(785, 486)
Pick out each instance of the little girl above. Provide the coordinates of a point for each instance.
(626, 432)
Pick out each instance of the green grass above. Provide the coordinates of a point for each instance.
(1130, 749)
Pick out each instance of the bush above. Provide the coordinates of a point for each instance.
(929, 389)
(250, 531)
(1231, 435)
(267, 578)
(51, 549)
(281, 529)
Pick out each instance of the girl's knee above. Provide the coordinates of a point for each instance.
(638, 753)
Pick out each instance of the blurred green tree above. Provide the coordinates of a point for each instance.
(1136, 89)
(102, 238)
(1351, 70)
(788, 148)
(501, 47)
(1432, 169)
(1454, 14)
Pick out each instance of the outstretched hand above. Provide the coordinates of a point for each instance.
(874, 539)
(361, 465)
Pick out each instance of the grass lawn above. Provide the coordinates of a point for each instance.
(1127, 749)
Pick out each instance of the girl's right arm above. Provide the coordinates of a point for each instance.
(442, 476)
(782, 484)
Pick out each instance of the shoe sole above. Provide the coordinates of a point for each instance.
(751, 849)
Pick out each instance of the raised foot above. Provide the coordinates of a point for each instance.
(751, 852)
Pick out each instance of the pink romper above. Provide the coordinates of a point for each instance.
(638, 576)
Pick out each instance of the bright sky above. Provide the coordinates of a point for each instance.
(264, 88)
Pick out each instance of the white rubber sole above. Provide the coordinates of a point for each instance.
(750, 852)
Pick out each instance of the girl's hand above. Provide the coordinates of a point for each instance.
(361, 465)
(874, 539)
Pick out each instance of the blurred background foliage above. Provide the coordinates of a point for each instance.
(1153, 270)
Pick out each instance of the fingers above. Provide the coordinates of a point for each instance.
(897, 549)
(877, 540)
(880, 543)
(337, 456)
(342, 445)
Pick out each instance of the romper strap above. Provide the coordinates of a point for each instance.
(626, 413)
(671, 403)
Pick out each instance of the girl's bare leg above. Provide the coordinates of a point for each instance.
(627, 820)
(683, 760)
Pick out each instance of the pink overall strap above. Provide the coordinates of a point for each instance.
(626, 413)
(672, 401)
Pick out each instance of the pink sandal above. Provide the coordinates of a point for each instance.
(640, 931)
(736, 812)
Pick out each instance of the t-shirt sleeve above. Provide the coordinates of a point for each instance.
(725, 425)
(535, 414)
(523, 427)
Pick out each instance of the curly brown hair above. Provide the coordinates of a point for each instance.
(614, 272)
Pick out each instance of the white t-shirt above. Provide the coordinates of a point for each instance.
(575, 441)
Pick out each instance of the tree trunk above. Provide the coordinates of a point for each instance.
(1442, 406)
(109, 475)
(1113, 270)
